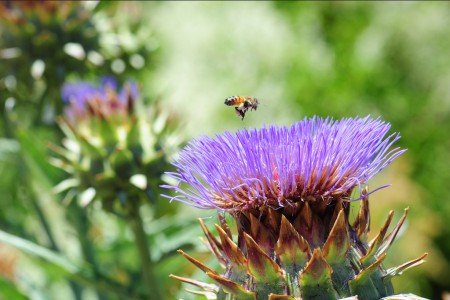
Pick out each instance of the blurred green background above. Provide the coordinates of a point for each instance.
(339, 59)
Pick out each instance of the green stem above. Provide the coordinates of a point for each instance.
(81, 222)
(140, 238)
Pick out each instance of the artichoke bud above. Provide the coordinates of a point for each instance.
(109, 146)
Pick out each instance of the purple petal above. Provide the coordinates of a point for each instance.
(320, 158)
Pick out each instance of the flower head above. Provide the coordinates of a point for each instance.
(114, 148)
(86, 99)
(287, 189)
(313, 160)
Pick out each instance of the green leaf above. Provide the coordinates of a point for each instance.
(81, 273)
(9, 291)
(36, 158)
(39, 251)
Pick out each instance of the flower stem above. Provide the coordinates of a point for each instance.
(140, 238)
(79, 219)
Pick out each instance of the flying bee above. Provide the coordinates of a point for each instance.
(242, 104)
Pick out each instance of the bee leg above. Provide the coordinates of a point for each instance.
(240, 112)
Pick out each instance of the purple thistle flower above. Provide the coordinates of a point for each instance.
(313, 160)
(87, 99)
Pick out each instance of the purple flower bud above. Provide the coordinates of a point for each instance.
(85, 99)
